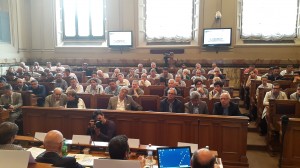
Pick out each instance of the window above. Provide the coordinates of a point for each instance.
(274, 20)
(4, 22)
(169, 21)
(82, 19)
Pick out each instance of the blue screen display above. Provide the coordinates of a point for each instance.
(174, 157)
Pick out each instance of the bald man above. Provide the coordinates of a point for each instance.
(53, 145)
(203, 158)
(226, 107)
(57, 99)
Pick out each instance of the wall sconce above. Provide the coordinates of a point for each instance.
(218, 15)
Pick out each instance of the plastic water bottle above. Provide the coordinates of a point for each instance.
(149, 159)
(64, 149)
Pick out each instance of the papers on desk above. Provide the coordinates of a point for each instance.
(40, 136)
(81, 139)
(133, 143)
(84, 159)
(8, 158)
(36, 151)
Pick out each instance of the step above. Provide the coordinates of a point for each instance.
(252, 127)
(256, 142)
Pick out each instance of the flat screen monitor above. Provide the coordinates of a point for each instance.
(120, 39)
(217, 37)
(171, 157)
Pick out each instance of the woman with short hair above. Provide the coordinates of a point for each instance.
(74, 101)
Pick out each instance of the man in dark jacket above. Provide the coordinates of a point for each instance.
(171, 104)
(226, 107)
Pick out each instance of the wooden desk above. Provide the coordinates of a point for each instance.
(39, 165)
(159, 128)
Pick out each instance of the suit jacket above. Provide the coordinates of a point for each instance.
(58, 161)
(177, 90)
(16, 101)
(295, 96)
(233, 109)
(130, 104)
(164, 106)
(50, 100)
(23, 88)
(202, 107)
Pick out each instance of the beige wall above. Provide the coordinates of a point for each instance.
(34, 35)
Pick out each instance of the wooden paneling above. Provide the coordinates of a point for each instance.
(227, 135)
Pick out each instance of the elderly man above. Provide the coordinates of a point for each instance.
(53, 144)
(198, 75)
(195, 105)
(217, 91)
(132, 74)
(179, 81)
(8, 132)
(135, 90)
(113, 88)
(24, 66)
(296, 95)
(101, 74)
(68, 74)
(153, 75)
(60, 82)
(203, 158)
(121, 81)
(213, 66)
(75, 86)
(39, 91)
(21, 86)
(226, 107)
(123, 101)
(140, 69)
(37, 67)
(171, 104)
(172, 84)
(57, 99)
(50, 67)
(12, 101)
(117, 71)
(144, 81)
(198, 67)
(217, 73)
(153, 66)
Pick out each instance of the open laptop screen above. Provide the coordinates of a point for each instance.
(172, 157)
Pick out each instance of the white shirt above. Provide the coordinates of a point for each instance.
(120, 105)
(124, 83)
(97, 90)
(144, 83)
(78, 89)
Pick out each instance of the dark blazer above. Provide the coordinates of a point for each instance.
(40, 91)
(202, 106)
(164, 106)
(129, 103)
(23, 88)
(233, 109)
(58, 161)
(177, 90)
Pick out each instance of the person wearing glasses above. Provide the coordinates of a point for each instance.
(144, 81)
(57, 99)
(296, 95)
(171, 104)
(275, 93)
(53, 143)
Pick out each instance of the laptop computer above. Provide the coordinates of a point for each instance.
(112, 163)
(8, 158)
(174, 157)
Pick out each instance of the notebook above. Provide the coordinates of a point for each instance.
(174, 157)
(111, 163)
(8, 158)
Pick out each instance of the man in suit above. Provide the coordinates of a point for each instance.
(57, 99)
(172, 84)
(39, 91)
(123, 101)
(171, 104)
(226, 107)
(12, 101)
(195, 106)
(53, 145)
(21, 86)
(296, 95)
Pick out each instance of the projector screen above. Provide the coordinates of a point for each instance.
(120, 39)
(217, 37)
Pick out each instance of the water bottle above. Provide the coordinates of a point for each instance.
(149, 159)
(64, 149)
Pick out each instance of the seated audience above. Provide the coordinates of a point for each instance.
(94, 87)
(117, 71)
(165, 75)
(60, 67)
(11, 77)
(2, 84)
(53, 143)
(296, 76)
(217, 91)
(172, 84)
(73, 101)
(226, 107)
(37, 67)
(265, 84)
(20, 72)
(39, 91)
(251, 68)
(101, 74)
(203, 158)
(50, 67)
(43, 77)
(21, 86)
(84, 67)
(94, 77)
(153, 66)
(200, 88)
(180, 71)
(11, 69)
(28, 78)
(135, 90)
(144, 81)
(195, 105)
(121, 81)
(140, 69)
(132, 74)
(214, 80)
(296, 95)
(123, 101)
(213, 66)
(100, 128)
(186, 74)
(270, 72)
(217, 73)
(24, 67)
(252, 76)
(275, 75)
(60, 70)
(171, 104)
(12, 101)
(112, 88)
(75, 86)
(60, 82)
(57, 99)
(179, 81)
(275, 93)
(70, 75)
(153, 75)
(198, 67)
(118, 148)
(198, 75)
(8, 132)
(287, 71)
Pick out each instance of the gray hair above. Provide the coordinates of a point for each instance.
(171, 80)
(194, 95)
(124, 87)
(57, 88)
(227, 95)
(172, 89)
